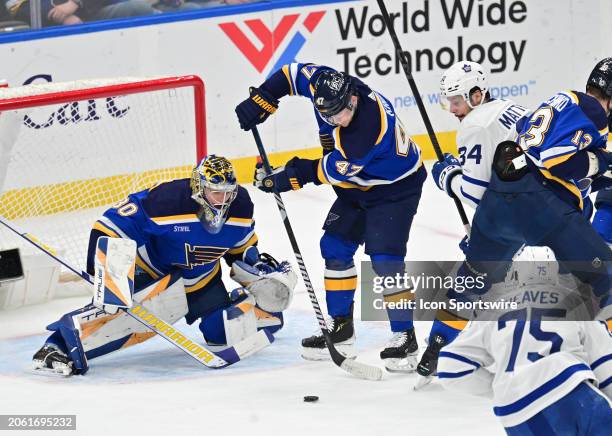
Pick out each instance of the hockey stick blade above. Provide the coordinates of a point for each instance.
(353, 367)
(362, 370)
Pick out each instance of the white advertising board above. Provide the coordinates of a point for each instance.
(532, 49)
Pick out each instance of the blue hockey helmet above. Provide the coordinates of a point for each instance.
(332, 93)
(214, 188)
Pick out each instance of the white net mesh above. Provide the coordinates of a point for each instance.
(63, 164)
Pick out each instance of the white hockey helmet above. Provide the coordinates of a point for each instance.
(461, 78)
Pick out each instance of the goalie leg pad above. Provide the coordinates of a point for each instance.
(90, 332)
(231, 324)
(271, 322)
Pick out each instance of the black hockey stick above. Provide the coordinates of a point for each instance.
(421, 106)
(353, 367)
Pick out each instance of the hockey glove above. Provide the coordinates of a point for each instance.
(604, 162)
(444, 171)
(282, 179)
(256, 109)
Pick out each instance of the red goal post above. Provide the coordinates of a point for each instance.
(70, 150)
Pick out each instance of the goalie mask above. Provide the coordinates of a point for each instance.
(214, 187)
(461, 79)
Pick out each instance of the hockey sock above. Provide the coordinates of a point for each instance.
(340, 273)
(340, 285)
(447, 329)
(400, 315)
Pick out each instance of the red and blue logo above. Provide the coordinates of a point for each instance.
(270, 40)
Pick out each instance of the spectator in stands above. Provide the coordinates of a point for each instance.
(56, 12)
(52, 11)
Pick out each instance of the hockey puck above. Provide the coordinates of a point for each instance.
(310, 398)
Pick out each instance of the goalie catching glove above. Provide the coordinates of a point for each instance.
(270, 282)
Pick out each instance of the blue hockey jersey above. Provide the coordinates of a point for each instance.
(164, 223)
(372, 156)
(557, 135)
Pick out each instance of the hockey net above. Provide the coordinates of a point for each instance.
(70, 150)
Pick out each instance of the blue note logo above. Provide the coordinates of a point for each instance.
(198, 255)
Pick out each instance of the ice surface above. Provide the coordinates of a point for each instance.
(154, 389)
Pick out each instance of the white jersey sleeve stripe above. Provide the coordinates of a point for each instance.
(551, 154)
(442, 375)
(469, 197)
(541, 391)
(474, 181)
(601, 361)
(459, 357)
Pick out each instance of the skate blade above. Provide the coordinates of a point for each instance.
(320, 354)
(422, 382)
(406, 365)
(38, 369)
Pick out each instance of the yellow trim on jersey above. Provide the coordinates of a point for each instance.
(307, 73)
(142, 264)
(288, 77)
(557, 160)
(573, 96)
(383, 120)
(321, 173)
(604, 131)
(101, 227)
(339, 142)
(569, 186)
(341, 284)
(239, 220)
(173, 218)
(200, 284)
(237, 250)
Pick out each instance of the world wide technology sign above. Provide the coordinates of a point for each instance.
(532, 49)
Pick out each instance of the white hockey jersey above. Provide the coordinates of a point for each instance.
(477, 138)
(527, 365)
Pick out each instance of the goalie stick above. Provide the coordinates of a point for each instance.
(358, 369)
(413, 87)
(145, 316)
